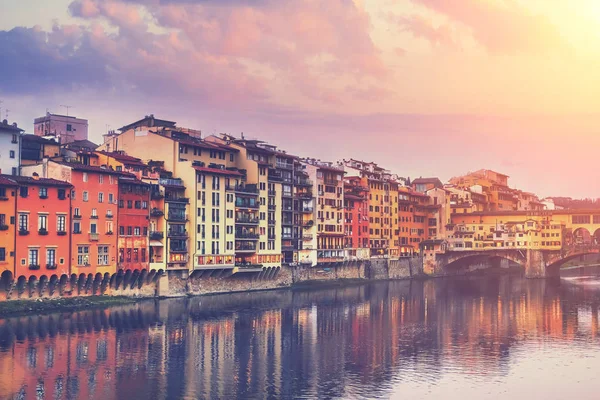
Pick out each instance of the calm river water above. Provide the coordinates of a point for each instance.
(475, 338)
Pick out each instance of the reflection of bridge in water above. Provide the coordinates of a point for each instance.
(541, 242)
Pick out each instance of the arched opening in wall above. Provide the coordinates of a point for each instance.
(158, 274)
(42, 285)
(21, 285)
(6, 281)
(485, 264)
(596, 238)
(582, 237)
(52, 284)
(134, 278)
(31, 284)
(97, 283)
(142, 278)
(578, 265)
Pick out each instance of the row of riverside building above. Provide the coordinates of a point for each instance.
(155, 196)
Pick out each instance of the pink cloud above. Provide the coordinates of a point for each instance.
(421, 27)
(500, 26)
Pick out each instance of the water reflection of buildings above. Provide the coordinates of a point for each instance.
(345, 342)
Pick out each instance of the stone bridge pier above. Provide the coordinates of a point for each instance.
(536, 263)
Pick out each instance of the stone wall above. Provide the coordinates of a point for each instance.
(405, 268)
(240, 282)
(351, 270)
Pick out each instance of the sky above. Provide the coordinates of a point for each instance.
(423, 87)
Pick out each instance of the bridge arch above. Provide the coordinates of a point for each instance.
(582, 237)
(465, 262)
(553, 269)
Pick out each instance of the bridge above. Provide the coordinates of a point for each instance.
(542, 242)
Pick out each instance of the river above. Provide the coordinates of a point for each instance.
(461, 338)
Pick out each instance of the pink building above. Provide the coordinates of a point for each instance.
(65, 128)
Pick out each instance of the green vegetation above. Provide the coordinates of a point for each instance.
(47, 306)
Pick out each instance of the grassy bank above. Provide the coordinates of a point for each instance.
(48, 306)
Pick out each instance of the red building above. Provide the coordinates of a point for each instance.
(42, 226)
(134, 221)
(356, 206)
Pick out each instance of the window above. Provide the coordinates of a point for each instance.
(128, 255)
(69, 128)
(93, 228)
(85, 196)
(85, 177)
(122, 230)
(103, 255)
(12, 154)
(111, 199)
(100, 197)
(77, 227)
(42, 222)
(2, 254)
(109, 226)
(61, 223)
(15, 138)
(23, 191)
(100, 178)
(94, 212)
(33, 257)
(51, 257)
(62, 194)
(23, 222)
(143, 255)
(83, 255)
(136, 255)
(129, 230)
(73, 194)
(136, 231)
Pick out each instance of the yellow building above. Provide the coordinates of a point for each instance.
(208, 185)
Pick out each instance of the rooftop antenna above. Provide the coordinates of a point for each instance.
(67, 107)
(6, 113)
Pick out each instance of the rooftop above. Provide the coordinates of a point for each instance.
(150, 122)
(33, 180)
(92, 168)
(5, 126)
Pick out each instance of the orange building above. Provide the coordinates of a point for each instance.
(356, 223)
(8, 209)
(94, 204)
(42, 221)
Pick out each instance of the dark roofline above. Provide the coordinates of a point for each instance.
(156, 123)
(29, 180)
(10, 128)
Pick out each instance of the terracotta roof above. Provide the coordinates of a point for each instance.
(434, 181)
(5, 180)
(218, 171)
(124, 158)
(81, 144)
(92, 168)
(30, 180)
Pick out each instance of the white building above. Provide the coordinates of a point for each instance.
(10, 148)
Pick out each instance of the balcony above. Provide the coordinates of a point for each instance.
(286, 222)
(76, 216)
(239, 203)
(43, 196)
(156, 195)
(155, 235)
(272, 193)
(283, 165)
(243, 189)
(288, 247)
(272, 236)
(3, 227)
(109, 233)
(272, 222)
(155, 212)
(247, 235)
(275, 176)
(287, 236)
(23, 232)
(171, 182)
(34, 267)
(51, 266)
(176, 217)
(304, 195)
(178, 250)
(247, 265)
(93, 217)
(307, 237)
(109, 214)
(308, 224)
(303, 182)
(245, 247)
(94, 237)
(307, 210)
(3, 198)
(177, 233)
(177, 199)
(43, 232)
(246, 220)
(272, 207)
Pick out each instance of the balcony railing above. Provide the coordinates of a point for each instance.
(242, 219)
(155, 235)
(247, 265)
(283, 165)
(307, 210)
(43, 232)
(156, 195)
(94, 237)
(245, 247)
(272, 192)
(307, 237)
(76, 216)
(304, 195)
(23, 232)
(246, 204)
(178, 250)
(308, 224)
(155, 212)
(272, 207)
(177, 233)
(303, 182)
(243, 189)
(272, 222)
(171, 182)
(177, 199)
(247, 235)
(177, 217)
(3, 227)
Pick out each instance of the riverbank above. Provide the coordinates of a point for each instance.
(19, 308)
